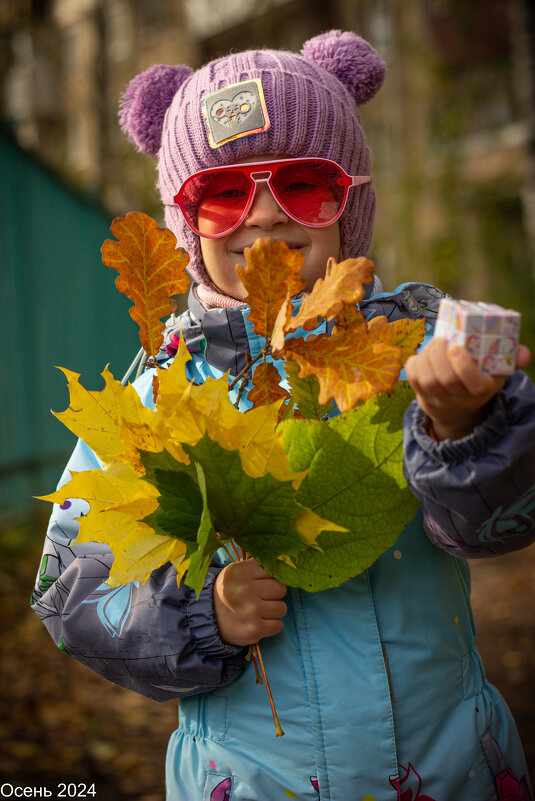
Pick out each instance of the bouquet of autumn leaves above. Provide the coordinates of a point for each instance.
(314, 497)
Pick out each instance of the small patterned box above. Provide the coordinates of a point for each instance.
(488, 331)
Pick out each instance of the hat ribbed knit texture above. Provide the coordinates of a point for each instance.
(311, 112)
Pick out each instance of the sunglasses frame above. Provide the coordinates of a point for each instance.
(267, 171)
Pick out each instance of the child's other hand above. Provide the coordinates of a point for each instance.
(451, 389)
(247, 603)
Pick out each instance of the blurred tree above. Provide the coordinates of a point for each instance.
(522, 13)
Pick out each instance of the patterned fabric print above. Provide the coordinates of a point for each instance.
(440, 537)
(408, 784)
(516, 520)
(113, 606)
(58, 552)
(222, 791)
(508, 787)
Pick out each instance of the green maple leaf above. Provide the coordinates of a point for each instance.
(355, 479)
(338, 557)
(180, 502)
(207, 539)
(255, 512)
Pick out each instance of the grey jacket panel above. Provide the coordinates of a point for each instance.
(478, 493)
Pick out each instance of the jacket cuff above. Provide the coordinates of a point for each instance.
(202, 622)
(459, 450)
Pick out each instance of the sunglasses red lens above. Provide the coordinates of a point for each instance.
(311, 192)
(214, 202)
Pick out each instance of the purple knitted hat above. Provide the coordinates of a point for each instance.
(304, 105)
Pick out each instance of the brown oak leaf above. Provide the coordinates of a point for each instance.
(266, 389)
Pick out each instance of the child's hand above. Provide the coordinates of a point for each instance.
(451, 389)
(247, 603)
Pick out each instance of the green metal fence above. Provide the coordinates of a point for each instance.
(58, 306)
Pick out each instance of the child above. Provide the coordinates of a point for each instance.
(378, 682)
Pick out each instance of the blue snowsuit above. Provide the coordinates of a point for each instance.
(378, 683)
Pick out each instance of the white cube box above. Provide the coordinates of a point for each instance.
(487, 330)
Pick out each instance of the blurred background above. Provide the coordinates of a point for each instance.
(452, 134)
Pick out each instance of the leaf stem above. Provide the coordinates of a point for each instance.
(236, 552)
(248, 366)
(255, 651)
(256, 654)
(228, 552)
(259, 679)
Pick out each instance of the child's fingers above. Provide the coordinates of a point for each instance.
(251, 569)
(523, 356)
(272, 610)
(436, 375)
(432, 375)
(268, 629)
(270, 589)
(474, 381)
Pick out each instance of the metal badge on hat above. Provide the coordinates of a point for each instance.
(237, 110)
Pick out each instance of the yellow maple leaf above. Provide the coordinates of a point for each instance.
(98, 417)
(185, 412)
(144, 552)
(119, 500)
(271, 272)
(150, 268)
(115, 423)
(343, 285)
(100, 488)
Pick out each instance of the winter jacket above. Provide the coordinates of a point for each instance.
(378, 683)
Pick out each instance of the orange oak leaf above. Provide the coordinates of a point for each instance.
(349, 318)
(377, 322)
(271, 272)
(349, 369)
(266, 389)
(280, 326)
(343, 284)
(151, 269)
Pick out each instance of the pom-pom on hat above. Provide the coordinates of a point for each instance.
(303, 105)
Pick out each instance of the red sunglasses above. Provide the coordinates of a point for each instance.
(312, 191)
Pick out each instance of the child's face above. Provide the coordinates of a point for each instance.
(267, 219)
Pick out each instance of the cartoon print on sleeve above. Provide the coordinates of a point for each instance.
(437, 534)
(113, 606)
(515, 521)
(408, 784)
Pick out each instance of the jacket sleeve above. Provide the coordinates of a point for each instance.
(478, 493)
(157, 639)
